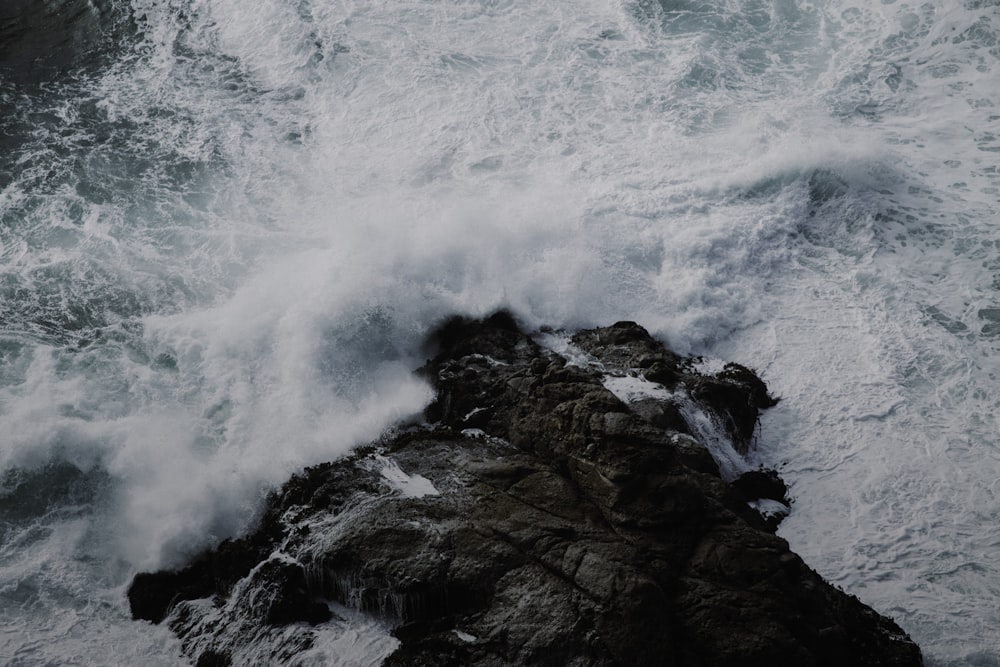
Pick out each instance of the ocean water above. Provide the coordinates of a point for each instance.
(226, 227)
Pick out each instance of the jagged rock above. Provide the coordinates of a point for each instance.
(766, 492)
(542, 520)
(758, 484)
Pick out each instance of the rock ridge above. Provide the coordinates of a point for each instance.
(560, 506)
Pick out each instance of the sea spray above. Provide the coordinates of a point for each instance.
(225, 231)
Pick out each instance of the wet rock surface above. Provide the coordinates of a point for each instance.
(548, 516)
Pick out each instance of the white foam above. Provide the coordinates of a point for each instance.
(362, 642)
(464, 636)
(561, 344)
(409, 486)
(770, 508)
(473, 412)
(630, 388)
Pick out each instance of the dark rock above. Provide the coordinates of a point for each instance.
(758, 487)
(572, 528)
(212, 658)
(152, 594)
(762, 483)
(736, 395)
(291, 599)
(628, 345)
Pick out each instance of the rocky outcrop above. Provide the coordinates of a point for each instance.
(560, 508)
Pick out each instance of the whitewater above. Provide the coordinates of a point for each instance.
(226, 229)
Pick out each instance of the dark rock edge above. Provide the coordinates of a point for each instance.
(569, 529)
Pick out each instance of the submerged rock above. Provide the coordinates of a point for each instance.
(561, 510)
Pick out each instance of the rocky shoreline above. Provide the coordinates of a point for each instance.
(570, 500)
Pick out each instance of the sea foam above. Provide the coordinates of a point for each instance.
(222, 251)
